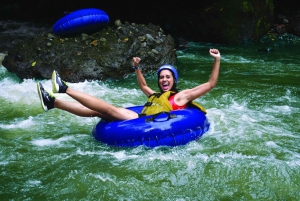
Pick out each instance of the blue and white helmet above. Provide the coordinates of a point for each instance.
(168, 67)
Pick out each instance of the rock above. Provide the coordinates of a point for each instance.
(118, 23)
(99, 56)
(280, 40)
(294, 27)
(285, 21)
(2, 55)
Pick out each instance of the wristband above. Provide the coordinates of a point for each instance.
(136, 67)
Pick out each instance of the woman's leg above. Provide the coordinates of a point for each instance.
(76, 108)
(107, 110)
(80, 110)
(49, 102)
(104, 109)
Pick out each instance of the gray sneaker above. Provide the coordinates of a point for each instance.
(47, 98)
(58, 85)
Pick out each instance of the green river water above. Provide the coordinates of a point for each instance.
(251, 152)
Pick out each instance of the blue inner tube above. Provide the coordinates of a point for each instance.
(164, 129)
(81, 21)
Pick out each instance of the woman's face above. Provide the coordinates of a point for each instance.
(165, 80)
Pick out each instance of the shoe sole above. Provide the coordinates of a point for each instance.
(55, 86)
(41, 97)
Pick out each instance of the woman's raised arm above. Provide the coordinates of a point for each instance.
(185, 96)
(141, 80)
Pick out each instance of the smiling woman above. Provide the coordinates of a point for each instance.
(167, 72)
(167, 100)
(90, 106)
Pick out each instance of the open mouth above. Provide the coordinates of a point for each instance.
(165, 86)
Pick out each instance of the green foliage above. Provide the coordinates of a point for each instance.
(235, 20)
(245, 6)
(271, 6)
(258, 22)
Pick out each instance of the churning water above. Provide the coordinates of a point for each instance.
(251, 152)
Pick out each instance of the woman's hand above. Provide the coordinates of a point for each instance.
(214, 53)
(141, 80)
(185, 96)
(136, 60)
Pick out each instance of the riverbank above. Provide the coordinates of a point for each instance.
(207, 21)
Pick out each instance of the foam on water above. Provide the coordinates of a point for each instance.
(18, 123)
(253, 138)
(50, 142)
(104, 177)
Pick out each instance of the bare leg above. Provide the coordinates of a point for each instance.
(96, 107)
(76, 108)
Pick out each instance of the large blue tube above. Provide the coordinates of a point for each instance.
(81, 21)
(166, 129)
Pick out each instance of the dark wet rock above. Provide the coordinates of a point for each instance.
(99, 56)
(277, 40)
(294, 26)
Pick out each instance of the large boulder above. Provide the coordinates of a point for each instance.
(99, 56)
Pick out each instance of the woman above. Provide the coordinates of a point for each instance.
(90, 106)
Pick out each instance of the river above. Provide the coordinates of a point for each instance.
(251, 152)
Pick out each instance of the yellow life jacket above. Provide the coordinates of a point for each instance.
(159, 102)
(197, 106)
